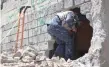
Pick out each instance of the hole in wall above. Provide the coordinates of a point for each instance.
(82, 40)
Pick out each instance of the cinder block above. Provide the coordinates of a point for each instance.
(32, 15)
(47, 37)
(35, 39)
(31, 24)
(59, 6)
(77, 2)
(25, 42)
(44, 29)
(13, 37)
(34, 32)
(38, 38)
(42, 37)
(38, 30)
(51, 44)
(46, 11)
(44, 53)
(31, 41)
(43, 46)
(30, 33)
(29, 18)
(15, 30)
(34, 24)
(87, 0)
(48, 19)
(51, 9)
(68, 3)
(86, 7)
(25, 34)
(26, 26)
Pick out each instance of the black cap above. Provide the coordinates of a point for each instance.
(76, 9)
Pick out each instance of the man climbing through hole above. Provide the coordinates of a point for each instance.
(67, 28)
(63, 28)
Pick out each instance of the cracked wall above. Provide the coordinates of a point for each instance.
(35, 20)
(35, 27)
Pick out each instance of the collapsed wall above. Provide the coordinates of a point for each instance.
(35, 32)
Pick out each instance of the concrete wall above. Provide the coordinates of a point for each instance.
(105, 49)
(35, 20)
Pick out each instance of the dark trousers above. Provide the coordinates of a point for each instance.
(65, 42)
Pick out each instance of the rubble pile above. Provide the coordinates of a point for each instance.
(30, 57)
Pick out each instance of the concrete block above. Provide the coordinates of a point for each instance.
(31, 41)
(87, 0)
(38, 14)
(6, 40)
(47, 37)
(43, 46)
(13, 38)
(35, 40)
(6, 27)
(40, 38)
(35, 15)
(31, 15)
(25, 34)
(46, 11)
(33, 24)
(33, 34)
(41, 21)
(77, 2)
(48, 19)
(59, 6)
(29, 18)
(41, 53)
(38, 30)
(51, 44)
(26, 26)
(36, 47)
(86, 7)
(35, 31)
(15, 30)
(30, 33)
(44, 29)
(51, 9)
(25, 42)
(68, 3)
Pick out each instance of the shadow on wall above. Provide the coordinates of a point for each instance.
(82, 39)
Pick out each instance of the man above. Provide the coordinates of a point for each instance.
(62, 27)
(83, 36)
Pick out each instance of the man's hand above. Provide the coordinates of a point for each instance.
(74, 30)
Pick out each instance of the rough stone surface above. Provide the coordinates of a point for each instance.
(68, 3)
(91, 59)
(86, 7)
(77, 2)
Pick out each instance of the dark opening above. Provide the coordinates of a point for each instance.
(82, 39)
